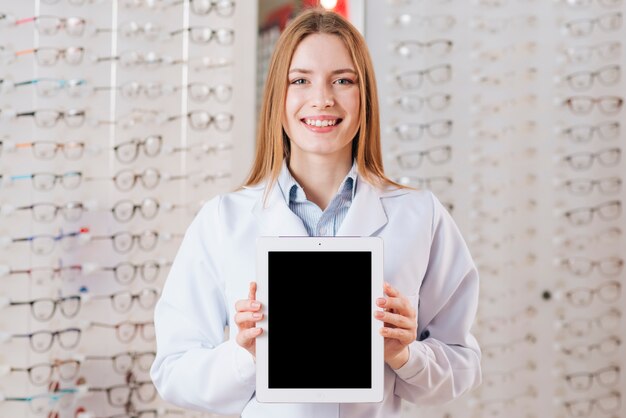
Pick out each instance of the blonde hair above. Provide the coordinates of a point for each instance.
(272, 141)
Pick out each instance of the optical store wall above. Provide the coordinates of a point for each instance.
(117, 122)
(511, 111)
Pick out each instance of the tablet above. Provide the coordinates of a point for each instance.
(320, 340)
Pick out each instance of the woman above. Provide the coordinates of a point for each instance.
(318, 171)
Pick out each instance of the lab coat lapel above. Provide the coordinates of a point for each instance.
(276, 219)
(366, 214)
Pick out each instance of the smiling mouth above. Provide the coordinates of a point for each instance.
(319, 123)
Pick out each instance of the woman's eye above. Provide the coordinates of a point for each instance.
(344, 81)
(299, 81)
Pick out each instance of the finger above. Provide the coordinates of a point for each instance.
(390, 290)
(399, 305)
(247, 319)
(247, 305)
(397, 320)
(252, 292)
(247, 336)
(402, 335)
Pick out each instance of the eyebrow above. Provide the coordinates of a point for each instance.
(339, 71)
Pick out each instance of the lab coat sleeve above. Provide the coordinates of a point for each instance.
(444, 362)
(194, 368)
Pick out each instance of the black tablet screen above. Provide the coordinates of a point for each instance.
(319, 319)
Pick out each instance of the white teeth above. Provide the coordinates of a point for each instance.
(320, 123)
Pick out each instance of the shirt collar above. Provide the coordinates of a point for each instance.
(293, 192)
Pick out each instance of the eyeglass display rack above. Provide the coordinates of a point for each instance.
(534, 179)
(100, 178)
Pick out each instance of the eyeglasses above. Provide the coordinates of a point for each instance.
(436, 184)
(584, 187)
(125, 272)
(414, 103)
(51, 25)
(501, 53)
(580, 327)
(586, 3)
(497, 25)
(41, 341)
(44, 244)
(47, 150)
(414, 131)
(47, 212)
(126, 331)
(123, 242)
(607, 211)
(201, 119)
(201, 148)
(584, 54)
(44, 308)
(607, 403)
(73, 2)
(51, 87)
(124, 362)
(204, 35)
(608, 157)
(497, 378)
(40, 275)
(582, 266)
(583, 80)
(497, 134)
(606, 377)
(222, 8)
(437, 47)
(132, 29)
(149, 178)
(49, 56)
(150, 413)
(123, 301)
(441, 23)
(438, 74)
(44, 182)
(134, 89)
(605, 347)
(512, 76)
(59, 399)
(128, 151)
(41, 373)
(135, 59)
(48, 118)
(607, 22)
(124, 210)
(582, 105)
(502, 106)
(607, 292)
(498, 323)
(584, 133)
(582, 242)
(201, 92)
(436, 155)
(120, 395)
(495, 350)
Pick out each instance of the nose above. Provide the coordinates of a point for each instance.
(323, 97)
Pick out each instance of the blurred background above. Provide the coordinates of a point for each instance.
(120, 118)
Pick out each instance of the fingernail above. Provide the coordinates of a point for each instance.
(256, 315)
(380, 301)
(378, 314)
(255, 305)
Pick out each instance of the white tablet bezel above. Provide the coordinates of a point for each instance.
(371, 244)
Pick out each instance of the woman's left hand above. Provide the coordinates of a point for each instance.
(400, 325)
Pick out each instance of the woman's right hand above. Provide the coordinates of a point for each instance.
(245, 318)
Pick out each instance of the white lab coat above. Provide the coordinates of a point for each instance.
(425, 258)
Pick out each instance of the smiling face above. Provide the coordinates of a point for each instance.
(322, 104)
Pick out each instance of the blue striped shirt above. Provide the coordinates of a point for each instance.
(318, 223)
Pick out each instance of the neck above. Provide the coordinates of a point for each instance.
(320, 178)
